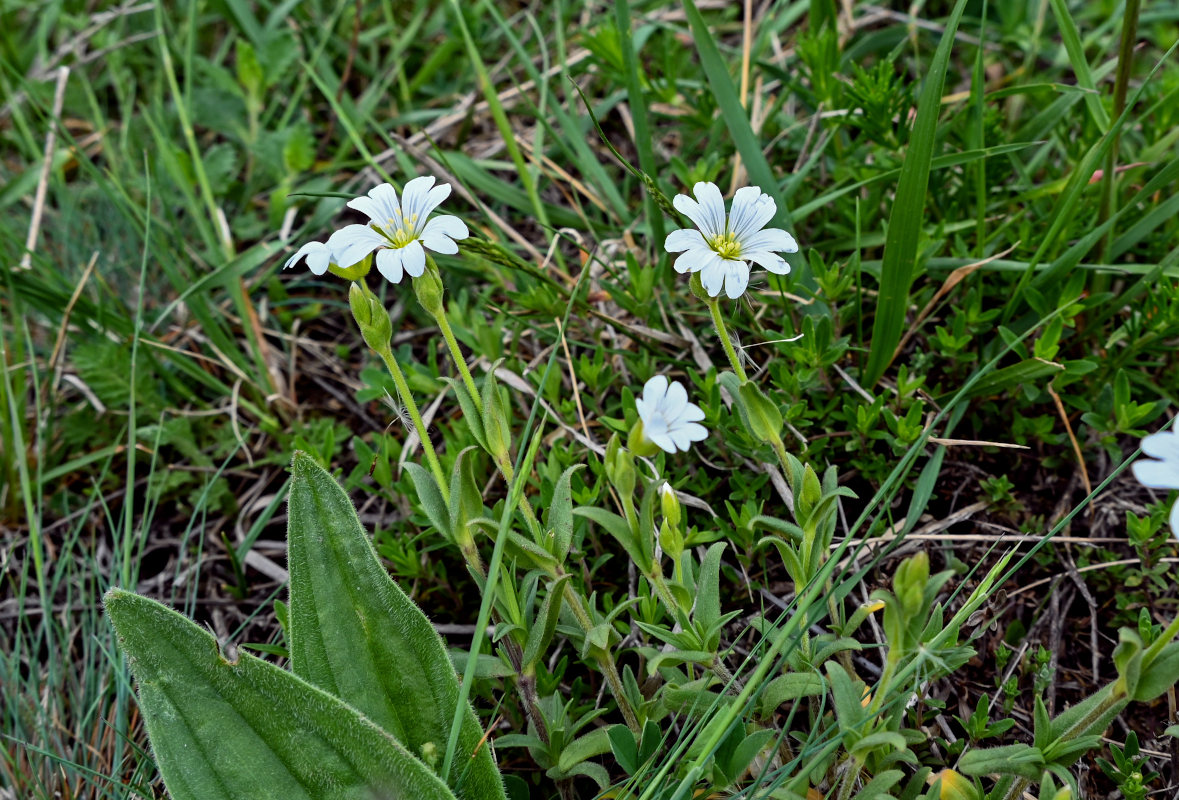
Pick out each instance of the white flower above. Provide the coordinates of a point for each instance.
(1163, 473)
(720, 249)
(669, 420)
(318, 254)
(399, 230)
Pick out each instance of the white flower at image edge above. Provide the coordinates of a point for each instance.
(723, 245)
(669, 420)
(1162, 473)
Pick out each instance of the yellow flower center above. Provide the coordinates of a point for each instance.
(726, 245)
(400, 231)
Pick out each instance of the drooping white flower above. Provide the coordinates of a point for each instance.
(399, 229)
(1161, 471)
(318, 255)
(723, 245)
(669, 420)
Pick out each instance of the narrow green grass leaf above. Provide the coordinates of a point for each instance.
(638, 112)
(240, 728)
(354, 633)
(908, 211)
(1076, 57)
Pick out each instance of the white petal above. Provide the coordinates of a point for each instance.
(389, 264)
(385, 197)
(444, 227)
(703, 215)
(370, 208)
(353, 242)
(693, 260)
(414, 258)
(1156, 474)
(675, 400)
(736, 278)
(772, 239)
(690, 413)
(439, 243)
(684, 239)
(317, 253)
(434, 199)
(418, 199)
(684, 435)
(1164, 445)
(713, 276)
(654, 390)
(771, 261)
(752, 209)
(712, 203)
(665, 442)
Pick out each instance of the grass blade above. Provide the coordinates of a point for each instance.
(904, 223)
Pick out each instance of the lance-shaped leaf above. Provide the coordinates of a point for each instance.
(247, 730)
(354, 633)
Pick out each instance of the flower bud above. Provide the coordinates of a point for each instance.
(428, 288)
(371, 317)
(354, 272)
(696, 284)
(620, 469)
(639, 444)
(670, 504)
(671, 540)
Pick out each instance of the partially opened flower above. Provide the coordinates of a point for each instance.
(318, 255)
(399, 229)
(1162, 473)
(666, 418)
(724, 244)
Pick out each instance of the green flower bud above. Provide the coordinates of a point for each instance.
(371, 317)
(639, 444)
(670, 504)
(671, 540)
(497, 426)
(765, 420)
(620, 469)
(354, 272)
(428, 288)
(696, 284)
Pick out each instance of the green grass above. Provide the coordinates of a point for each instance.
(945, 196)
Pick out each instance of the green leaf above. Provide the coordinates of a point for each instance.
(561, 514)
(545, 623)
(708, 609)
(790, 686)
(355, 634)
(430, 497)
(247, 730)
(617, 527)
(1160, 675)
(908, 212)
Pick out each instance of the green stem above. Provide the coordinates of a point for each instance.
(1153, 651)
(605, 661)
(412, 407)
(459, 361)
(723, 333)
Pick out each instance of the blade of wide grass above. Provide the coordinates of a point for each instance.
(1080, 65)
(737, 120)
(908, 211)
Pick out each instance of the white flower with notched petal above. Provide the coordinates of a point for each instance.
(724, 243)
(318, 254)
(669, 420)
(399, 230)
(1162, 473)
